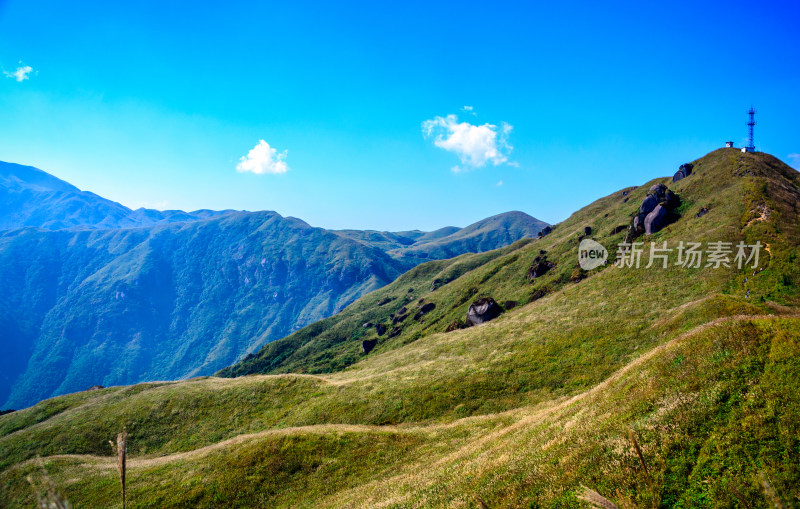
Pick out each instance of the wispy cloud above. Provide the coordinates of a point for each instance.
(21, 74)
(499, 183)
(794, 160)
(475, 145)
(263, 159)
(469, 109)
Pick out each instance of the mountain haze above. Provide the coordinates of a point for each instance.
(97, 294)
(447, 242)
(32, 197)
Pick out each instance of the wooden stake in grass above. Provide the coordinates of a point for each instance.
(638, 450)
(121, 449)
(481, 502)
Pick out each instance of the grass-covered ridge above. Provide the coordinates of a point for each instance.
(113, 304)
(520, 411)
(735, 187)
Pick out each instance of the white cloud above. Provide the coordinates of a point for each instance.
(20, 74)
(263, 159)
(475, 145)
(795, 160)
(499, 183)
(469, 109)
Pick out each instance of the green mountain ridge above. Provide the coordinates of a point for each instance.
(32, 197)
(334, 343)
(518, 412)
(106, 303)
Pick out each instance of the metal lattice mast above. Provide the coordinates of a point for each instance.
(751, 146)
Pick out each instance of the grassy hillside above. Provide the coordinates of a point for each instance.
(111, 303)
(736, 189)
(521, 411)
(105, 307)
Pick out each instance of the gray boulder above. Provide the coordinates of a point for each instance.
(539, 267)
(545, 231)
(655, 212)
(424, 310)
(684, 171)
(649, 203)
(483, 310)
(655, 220)
(368, 345)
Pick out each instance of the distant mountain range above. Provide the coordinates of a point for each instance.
(674, 385)
(95, 293)
(32, 197)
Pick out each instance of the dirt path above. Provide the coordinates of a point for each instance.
(526, 416)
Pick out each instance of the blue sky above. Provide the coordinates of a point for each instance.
(361, 106)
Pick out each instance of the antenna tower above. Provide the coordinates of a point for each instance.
(751, 146)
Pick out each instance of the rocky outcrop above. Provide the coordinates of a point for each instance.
(368, 345)
(539, 267)
(380, 329)
(703, 211)
(424, 310)
(455, 325)
(578, 274)
(398, 318)
(394, 332)
(510, 304)
(655, 220)
(483, 310)
(655, 212)
(684, 171)
(545, 231)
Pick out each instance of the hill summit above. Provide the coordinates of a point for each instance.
(669, 383)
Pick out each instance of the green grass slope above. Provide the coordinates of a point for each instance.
(736, 188)
(85, 307)
(521, 411)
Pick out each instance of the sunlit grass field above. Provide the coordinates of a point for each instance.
(519, 412)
